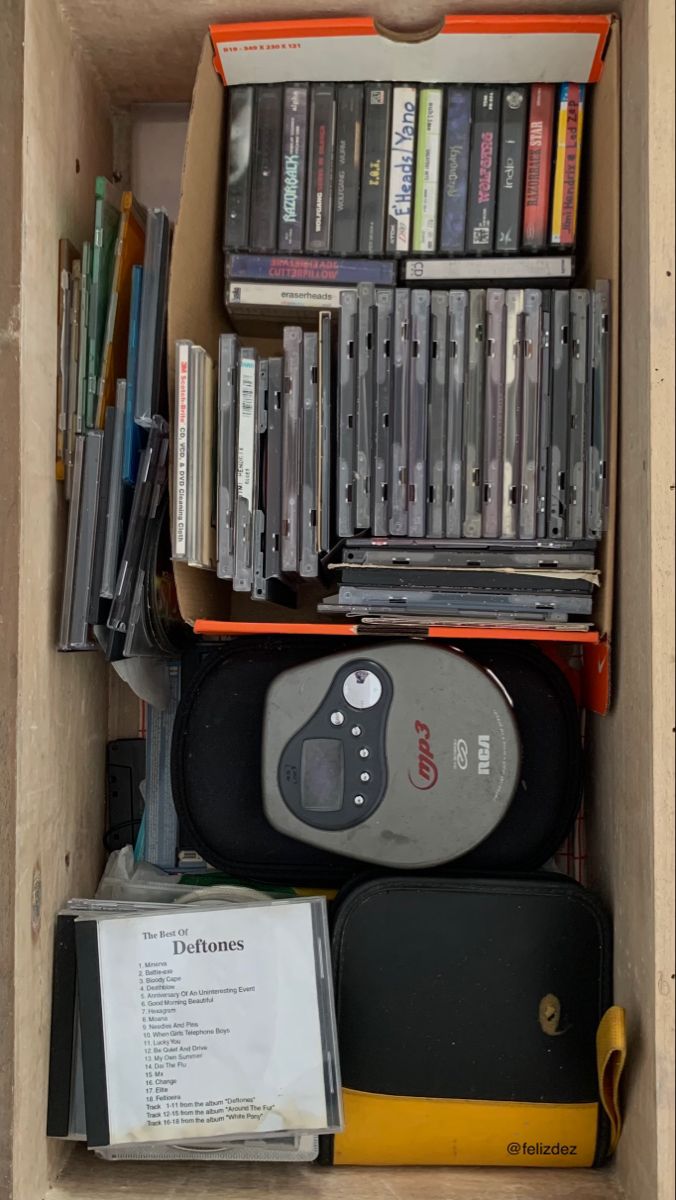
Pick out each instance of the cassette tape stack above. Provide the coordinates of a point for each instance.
(427, 424)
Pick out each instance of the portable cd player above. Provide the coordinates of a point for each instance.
(407, 755)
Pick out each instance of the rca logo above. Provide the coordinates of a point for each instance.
(427, 773)
(484, 754)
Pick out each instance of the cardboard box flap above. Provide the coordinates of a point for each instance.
(460, 49)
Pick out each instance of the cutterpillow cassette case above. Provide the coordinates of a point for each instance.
(244, 726)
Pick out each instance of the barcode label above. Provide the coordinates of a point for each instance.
(246, 429)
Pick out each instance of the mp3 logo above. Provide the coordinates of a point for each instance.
(484, 754)
(427, 773)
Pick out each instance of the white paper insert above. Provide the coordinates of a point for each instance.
(211, 1024)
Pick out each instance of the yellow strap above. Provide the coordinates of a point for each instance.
(611, 1055)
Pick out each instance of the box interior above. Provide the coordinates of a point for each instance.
(75, 68)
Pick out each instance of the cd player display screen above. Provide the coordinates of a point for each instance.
(322, 771)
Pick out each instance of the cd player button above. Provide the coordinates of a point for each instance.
(364, 752)
(337, 718)
(364, 777)
(356, 731)
(362, 689)
(359, 800)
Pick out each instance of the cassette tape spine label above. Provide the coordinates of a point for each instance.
(455, 169)
(238, 188)
(402, 167)
(294, 168)
(181, 469)
(567, 171)
(320, 169)
(483, 171)
(538, 166)
(428, 153)
(349, 121)
(374, 176)
(510, 187)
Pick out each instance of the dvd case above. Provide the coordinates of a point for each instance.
(228, 395)
(458, 311)
(494, 424)
(560, 405)
(291, 443)
(365, 404)
(399, 417)
(417, 430)
(308, 548)
(325, 439)
(511, 449)
(383, 401)
(437, 412)
(347, 407)
(530, 423)
(473, 415)
(246, 497)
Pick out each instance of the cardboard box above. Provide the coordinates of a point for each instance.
(498, 49)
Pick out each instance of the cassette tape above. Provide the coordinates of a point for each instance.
(294, 169)
(457, 368)
(401, 173)
(401, 350)
(238, 185)
(322, 136)
(382, 418)
(374, 175)
(417, 443)
(428, 154)
(437, 414)
(473, 417)
(265, 168)
(349, 123)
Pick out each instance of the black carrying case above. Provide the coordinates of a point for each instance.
(216, 751)
(467, 1013)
